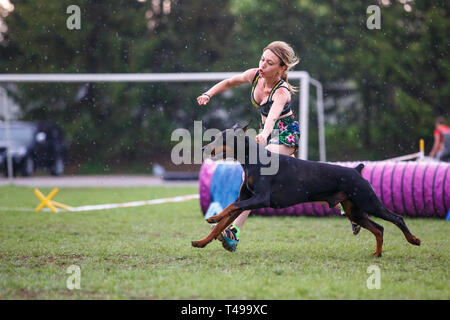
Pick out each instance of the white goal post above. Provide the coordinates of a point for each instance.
(302, 76)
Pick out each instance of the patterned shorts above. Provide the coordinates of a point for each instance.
(288, 132)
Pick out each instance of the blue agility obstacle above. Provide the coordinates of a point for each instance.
(229, 175)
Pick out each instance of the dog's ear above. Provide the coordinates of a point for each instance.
(244, 128)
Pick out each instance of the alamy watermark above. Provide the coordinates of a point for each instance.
(374, 20)
(74, 20)
(74, 280)
(374, 280)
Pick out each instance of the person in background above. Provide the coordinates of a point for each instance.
(441, 146)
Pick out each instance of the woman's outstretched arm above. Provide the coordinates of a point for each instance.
(224, 85)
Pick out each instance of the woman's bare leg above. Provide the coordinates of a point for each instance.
(239, 222)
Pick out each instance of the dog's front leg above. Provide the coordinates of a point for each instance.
(231, 213)
(226, 212)
(217, 230)
(243, 194)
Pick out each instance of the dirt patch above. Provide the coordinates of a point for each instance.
(27, 294)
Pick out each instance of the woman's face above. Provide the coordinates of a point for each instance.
(270, 65)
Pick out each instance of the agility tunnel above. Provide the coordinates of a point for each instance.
(413, 189)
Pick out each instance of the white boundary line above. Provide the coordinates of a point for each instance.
(2, 209)
(134, 203)
(116, 205)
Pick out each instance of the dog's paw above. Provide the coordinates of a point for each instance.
(415, 241)
(212, 219)
(376, 254)
(196, 244)
(199, 244)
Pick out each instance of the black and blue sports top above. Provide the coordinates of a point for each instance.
(265, 108)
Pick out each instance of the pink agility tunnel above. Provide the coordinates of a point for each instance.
(414, 189)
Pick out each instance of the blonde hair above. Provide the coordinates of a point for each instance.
(287, 57)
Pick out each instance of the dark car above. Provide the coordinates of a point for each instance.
(33, 145)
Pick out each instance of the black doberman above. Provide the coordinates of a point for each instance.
(297, 181)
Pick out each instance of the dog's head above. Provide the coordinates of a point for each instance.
(224, 144)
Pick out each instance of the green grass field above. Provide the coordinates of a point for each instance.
(145, 253)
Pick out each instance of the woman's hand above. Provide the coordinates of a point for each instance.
(261, 139)
(203, 99)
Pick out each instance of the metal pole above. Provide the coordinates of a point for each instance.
(8, 137)
(320, 119)
(130, 77)
(304, 111)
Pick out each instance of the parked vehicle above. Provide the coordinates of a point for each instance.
(33, 145)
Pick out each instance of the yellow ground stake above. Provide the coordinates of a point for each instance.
(46, 201)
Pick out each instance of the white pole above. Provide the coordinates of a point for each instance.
(8, 137)
(304, 112)
(320, 119)
(124, 77)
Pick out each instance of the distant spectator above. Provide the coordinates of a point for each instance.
(441, 146)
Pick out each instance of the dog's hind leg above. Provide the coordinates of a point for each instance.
(396, 219)
(355, 214)
(350, 210)
(377, 231)
(367, 199)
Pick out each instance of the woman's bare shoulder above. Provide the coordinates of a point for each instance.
(249, 74)
(244, 77)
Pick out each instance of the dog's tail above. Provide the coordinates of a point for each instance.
(359, 168)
